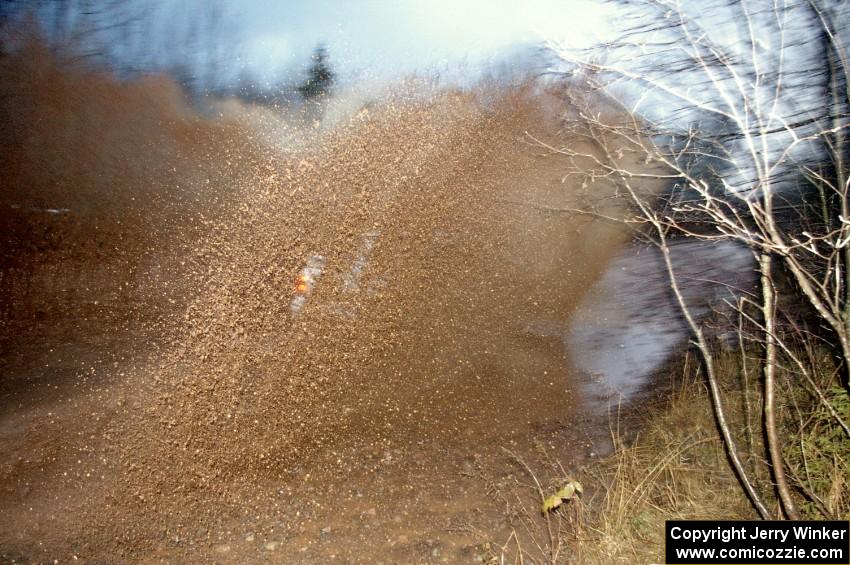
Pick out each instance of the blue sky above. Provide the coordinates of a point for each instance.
(273, 39)
(381, 37)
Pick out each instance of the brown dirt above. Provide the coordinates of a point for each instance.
(161, 402)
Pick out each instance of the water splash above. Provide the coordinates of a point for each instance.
(630, 325)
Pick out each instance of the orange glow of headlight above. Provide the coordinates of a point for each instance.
(302, 285)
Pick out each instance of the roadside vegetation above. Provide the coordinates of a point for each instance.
(750, 137)
(677, 469)
(669, 463)
(759, 158)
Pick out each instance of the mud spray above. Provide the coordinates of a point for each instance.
(163, 399)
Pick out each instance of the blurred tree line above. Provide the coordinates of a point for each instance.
(200, 43)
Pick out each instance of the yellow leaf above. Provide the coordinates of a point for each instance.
(551, 503)
(567, 491)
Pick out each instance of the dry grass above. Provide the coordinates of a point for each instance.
(675, 468)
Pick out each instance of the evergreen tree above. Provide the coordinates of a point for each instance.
(320, 76)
